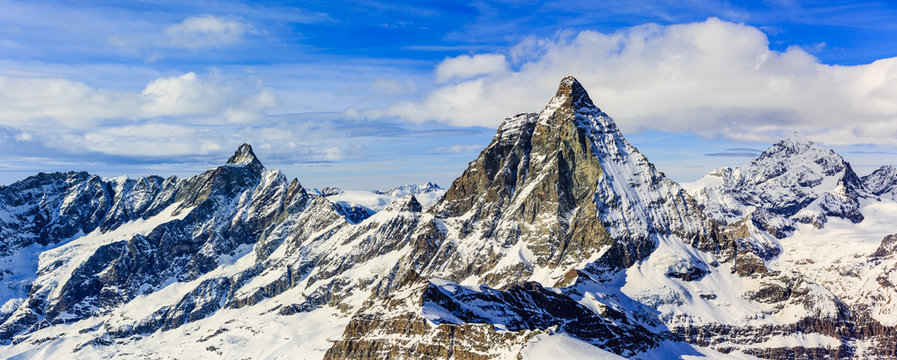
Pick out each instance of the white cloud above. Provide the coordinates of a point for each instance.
(72, 104)
(69, 103)
(149, 139)
(189, 95)
(446, 104)
(182, 95)
(252, 108)
(464, 66)
(715, 78)
(22, 137)
(391, 87)
(207, 31)
(167, 117)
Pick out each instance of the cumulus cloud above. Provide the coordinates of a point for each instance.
(715, 78)
(186, 94)
(74, 104)
(166, 118)
(464, 66)
(207, 31)
(69, 103)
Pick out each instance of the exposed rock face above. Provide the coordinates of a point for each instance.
(795, 180)
(330, 191)
(52, 208)
(354, 213)
(748, 263)
(220, 210)
(245, 157)
(565, 188)
(559, 228)
(529, 306)
(521, 311)
(888, 247)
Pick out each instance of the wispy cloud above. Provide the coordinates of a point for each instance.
(457, 149)
(737, 152)
(391, 87)
(732, 154)
(745, 149)
(152, 139)
(207, 31)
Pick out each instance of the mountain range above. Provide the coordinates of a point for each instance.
(559, 240)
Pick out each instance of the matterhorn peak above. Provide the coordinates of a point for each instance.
(571, 94)
(245, 156)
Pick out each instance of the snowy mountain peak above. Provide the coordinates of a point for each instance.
(245, 156)
(571, 105)
(721, 172)
(882, 181)
(794, 180)
(796, 138)
(571, 92)
(329, 191)
(796, 144)
(569, 99)
(565, 184)
(797, 154)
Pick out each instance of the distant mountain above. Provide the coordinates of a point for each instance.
(830, 222)
(412, 189)
(359, 205)
(882, 182)
(794, 181)
(560, 235)
(328, 191)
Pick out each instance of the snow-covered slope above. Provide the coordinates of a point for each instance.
(560, 238)
(854, 261)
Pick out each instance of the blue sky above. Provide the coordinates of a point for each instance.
(371, 94)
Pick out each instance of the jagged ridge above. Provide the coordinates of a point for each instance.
(560, 225)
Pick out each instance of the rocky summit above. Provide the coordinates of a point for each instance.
(559, 234)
